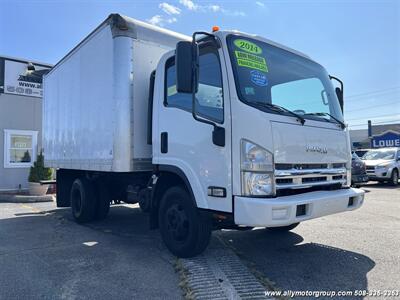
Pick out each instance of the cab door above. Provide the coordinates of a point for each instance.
(181, 141)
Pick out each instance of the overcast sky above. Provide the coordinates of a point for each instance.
(358, 41)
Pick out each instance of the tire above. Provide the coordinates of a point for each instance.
(184, 229)
(83, 200)
(103, 200)
(283, 228)
(394, 179)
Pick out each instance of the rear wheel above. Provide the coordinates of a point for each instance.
(283, 228)
(83, 200)
(394, 179)
(184, 229)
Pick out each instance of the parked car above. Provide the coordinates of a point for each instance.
(383, 164)
(360, 152)
(358, 170)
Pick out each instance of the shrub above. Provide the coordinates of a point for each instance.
(39, 171)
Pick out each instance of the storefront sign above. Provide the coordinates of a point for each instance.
(386, 139)
(21, 80)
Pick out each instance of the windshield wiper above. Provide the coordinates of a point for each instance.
(279, 108)
(321, 114)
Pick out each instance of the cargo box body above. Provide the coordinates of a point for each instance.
(96, 98)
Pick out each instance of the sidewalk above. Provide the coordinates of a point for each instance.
(25, 198)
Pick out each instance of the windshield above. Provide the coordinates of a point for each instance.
(271, 75)
(379, 154)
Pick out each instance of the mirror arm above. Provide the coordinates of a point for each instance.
(206, 34)
(338, 80)
(341, 91)
(194, 78)
(218, 132)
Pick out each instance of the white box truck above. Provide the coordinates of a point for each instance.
(219, 130)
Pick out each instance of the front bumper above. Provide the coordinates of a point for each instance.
(359, 178)
(380, 174)
(282, 211)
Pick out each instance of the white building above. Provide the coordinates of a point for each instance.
(20, 119)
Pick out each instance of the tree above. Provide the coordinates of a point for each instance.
(39, 172)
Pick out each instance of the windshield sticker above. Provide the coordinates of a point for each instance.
(258, 78)
(251, 61)
(249, 90)
(171, 90)
(248, 46)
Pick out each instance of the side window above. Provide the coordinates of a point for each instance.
(172, 97)
(209, 96)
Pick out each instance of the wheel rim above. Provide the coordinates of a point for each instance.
(177, 223)
(395, 177)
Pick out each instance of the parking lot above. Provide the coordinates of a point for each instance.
(44, 254)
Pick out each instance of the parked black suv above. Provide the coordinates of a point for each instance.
(358, 171)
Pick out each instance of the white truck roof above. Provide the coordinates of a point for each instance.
(125, 26)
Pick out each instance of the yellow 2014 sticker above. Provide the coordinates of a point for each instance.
(248, 46)
(251, 61)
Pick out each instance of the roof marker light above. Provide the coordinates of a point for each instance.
(215, 28)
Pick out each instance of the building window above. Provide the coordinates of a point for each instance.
(19, 148)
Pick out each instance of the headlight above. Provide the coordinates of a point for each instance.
(256, 158)
(257, 169)
(257, 184)
(348, 178)
(381, 168)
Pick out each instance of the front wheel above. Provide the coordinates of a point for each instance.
(184, 229)
(394, 179)
(283, 228)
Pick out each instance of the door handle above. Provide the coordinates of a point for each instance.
(164, 142)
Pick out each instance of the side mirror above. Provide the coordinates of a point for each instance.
(186, 61)
(339, 92)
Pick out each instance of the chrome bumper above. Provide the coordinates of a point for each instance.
(282, 211)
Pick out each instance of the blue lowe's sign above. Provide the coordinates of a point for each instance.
(386, 139)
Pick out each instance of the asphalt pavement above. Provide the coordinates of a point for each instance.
(352, 251)
(45, 254)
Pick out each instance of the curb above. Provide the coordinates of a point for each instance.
(26, 198)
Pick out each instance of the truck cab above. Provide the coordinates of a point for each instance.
(256, 128)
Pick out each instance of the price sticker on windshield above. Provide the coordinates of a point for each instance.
(251, 61)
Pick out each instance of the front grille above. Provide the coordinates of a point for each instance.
(304, 176)
(284, 181)
(300, 166)
(339, 165)
(313, 179)
(370, 168)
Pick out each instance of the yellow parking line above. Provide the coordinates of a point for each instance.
(30, 207)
